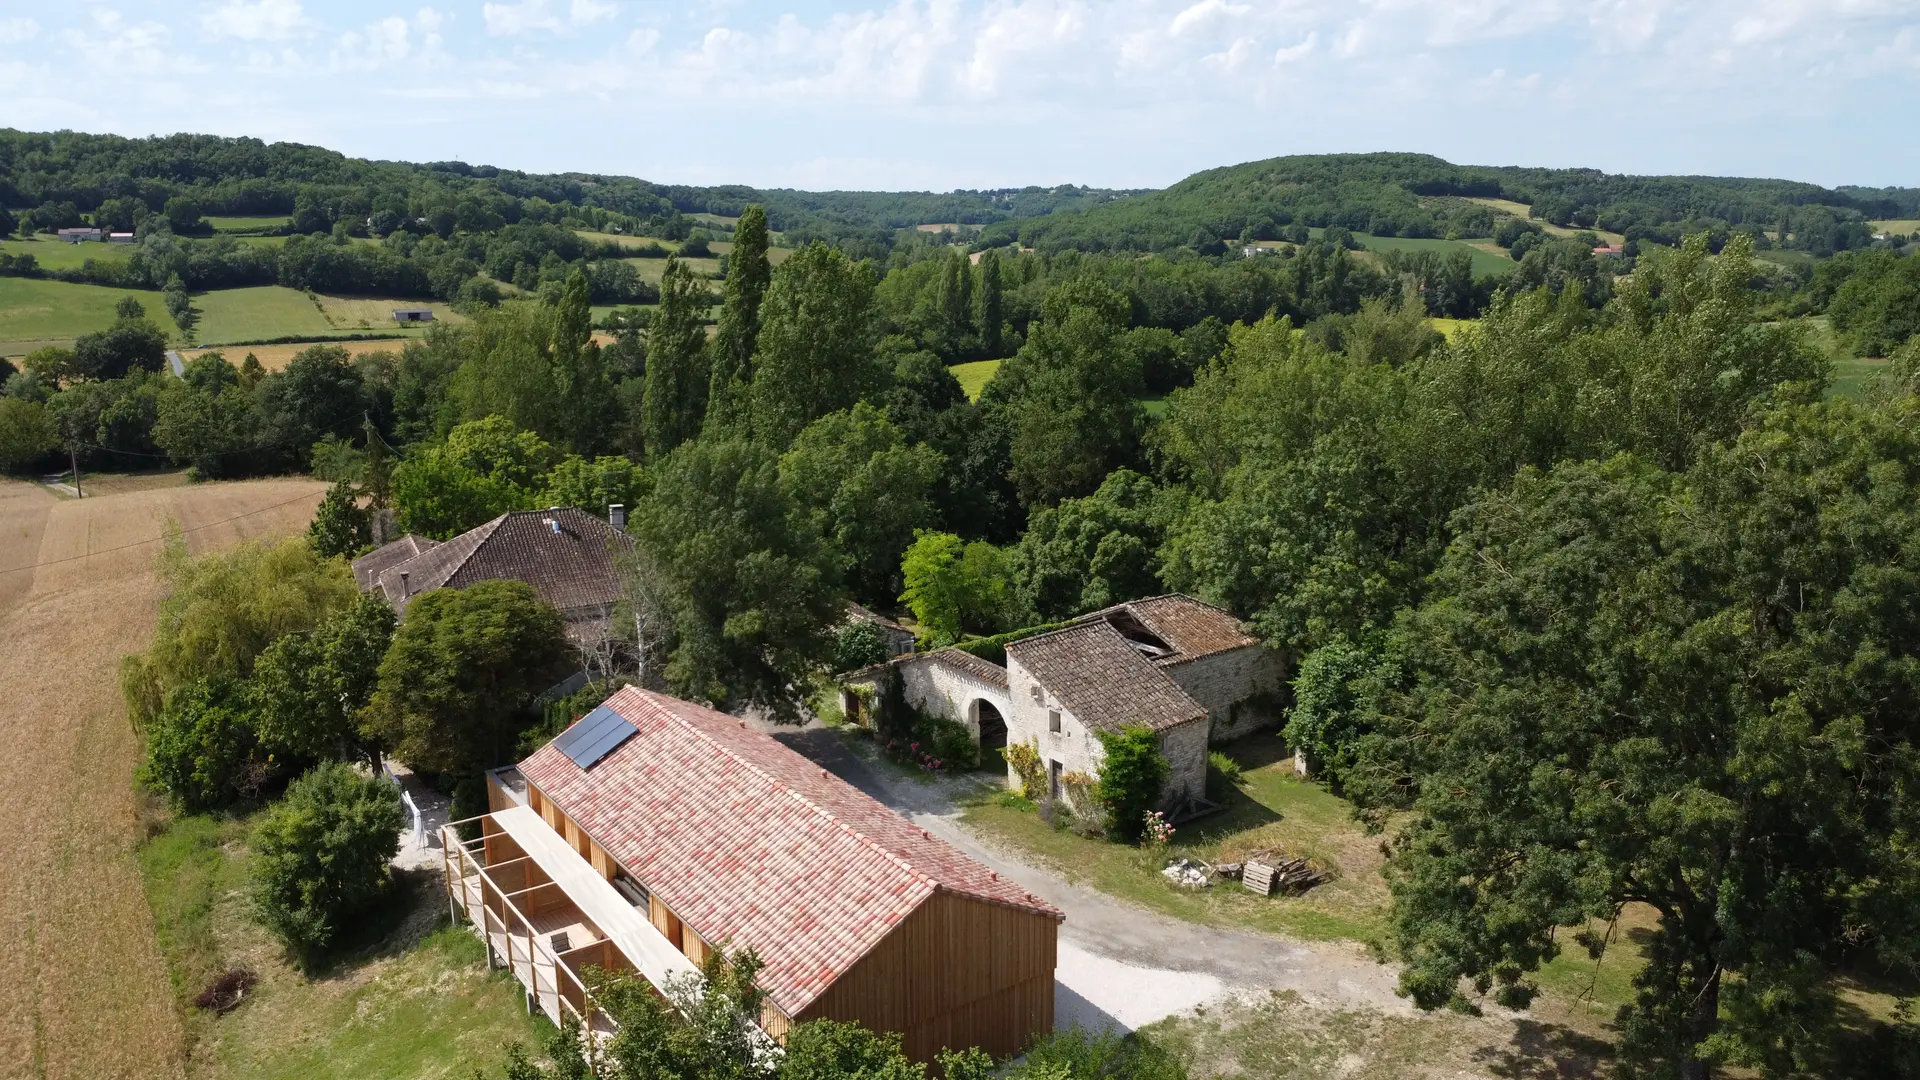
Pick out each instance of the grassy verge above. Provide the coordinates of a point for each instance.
(1271, 808)
(411, 996)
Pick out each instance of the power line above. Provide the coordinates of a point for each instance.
(155, 540)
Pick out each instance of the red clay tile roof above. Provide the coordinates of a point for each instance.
(571, 566)
(1193, 628)
(367, 568)
(751, 844)
(1102, 679)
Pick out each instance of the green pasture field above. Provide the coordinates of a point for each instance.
(55, 255)
(1896, 226)
(228, 224)
(1521, 210)
(1484, 262)
(251, 314)
(975, 376)
(39, 312)
(651, 270)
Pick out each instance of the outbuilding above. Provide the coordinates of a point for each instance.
(654, 831)
(413, 315)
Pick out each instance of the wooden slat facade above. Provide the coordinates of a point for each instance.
(958, 972)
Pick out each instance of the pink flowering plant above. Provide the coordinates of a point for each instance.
(1155, 830)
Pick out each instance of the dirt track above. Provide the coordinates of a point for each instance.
(87, 991)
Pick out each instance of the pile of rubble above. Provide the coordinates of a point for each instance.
(1188, 873)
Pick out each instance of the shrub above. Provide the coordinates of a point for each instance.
(835, 1050)
(321, 855)
(340, 527)
(1223, 775)
(1079, 1053)
(860, 644)
(1024, 760)
(1130, 780)
(994, 649)
(201, 749)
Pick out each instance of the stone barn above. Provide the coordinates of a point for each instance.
(1181, 667)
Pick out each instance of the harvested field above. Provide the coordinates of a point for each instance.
(275, 357)
(88, 989)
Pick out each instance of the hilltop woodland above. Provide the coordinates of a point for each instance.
(1603, 601)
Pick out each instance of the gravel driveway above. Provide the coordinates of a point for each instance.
(1121, 966)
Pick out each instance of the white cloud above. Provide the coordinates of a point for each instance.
(514, 20)
(586, 12)
(1205, 15)
(114, 44)
(15, 30)
(1289, 54)
(263, 20)
(391, 40)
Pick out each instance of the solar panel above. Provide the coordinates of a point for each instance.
(594, 736)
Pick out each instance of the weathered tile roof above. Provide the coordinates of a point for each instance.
(751, 844)
(367, 568)
(985, 670)
(1103, 680)
(862, 613)
(567, 555)
(1191, 627)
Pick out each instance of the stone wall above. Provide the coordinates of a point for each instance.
(1223, 683)
(939, 689)
(1079, 750)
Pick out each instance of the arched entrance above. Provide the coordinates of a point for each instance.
(990, 724)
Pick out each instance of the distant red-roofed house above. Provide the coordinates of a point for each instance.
(692, 832)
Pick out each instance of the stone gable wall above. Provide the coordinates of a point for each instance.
(1224, 682)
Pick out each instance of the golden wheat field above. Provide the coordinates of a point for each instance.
(87, 990)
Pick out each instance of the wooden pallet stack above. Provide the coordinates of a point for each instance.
(1289, 876)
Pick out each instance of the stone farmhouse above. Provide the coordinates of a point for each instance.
(570, 557)
(654, 830)
(1185, 669)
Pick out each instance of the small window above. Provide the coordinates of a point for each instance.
(1038, 697)
(1053, 720)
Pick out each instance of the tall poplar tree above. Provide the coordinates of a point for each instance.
(993, 304)
(748, 274)
(816, 348)
(676, 392)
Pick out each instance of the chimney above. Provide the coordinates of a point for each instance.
(617, 516)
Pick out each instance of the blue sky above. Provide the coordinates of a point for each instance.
(939, 94)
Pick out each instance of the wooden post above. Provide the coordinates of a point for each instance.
(73, 455)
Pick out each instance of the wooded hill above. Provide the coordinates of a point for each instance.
(1418, 195)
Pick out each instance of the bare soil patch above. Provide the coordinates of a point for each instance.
(88, 992)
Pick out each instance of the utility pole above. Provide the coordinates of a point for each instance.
(73, 455)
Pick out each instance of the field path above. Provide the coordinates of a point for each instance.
(87, 990)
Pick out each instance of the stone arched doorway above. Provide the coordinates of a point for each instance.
(987, 721)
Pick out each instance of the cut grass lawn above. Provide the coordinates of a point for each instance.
(1448, 328)
(415, 1001)
(35, 310)
(975, 376)
(1274, 808)
(55, 255)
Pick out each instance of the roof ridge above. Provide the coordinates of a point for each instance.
(490, 526)
(817, 809)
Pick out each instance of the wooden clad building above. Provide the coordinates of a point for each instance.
(724, 837)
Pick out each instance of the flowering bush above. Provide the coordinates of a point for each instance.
(1154, 830)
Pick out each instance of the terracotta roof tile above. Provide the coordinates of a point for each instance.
(567, 555)
(1103, 680)
(1191, 627)
(367, 568)
(752, 844)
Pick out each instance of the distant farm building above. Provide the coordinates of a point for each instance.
(1249, 251)
(412, 315)
(654, 831)
(75, 236)
(120, 238)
